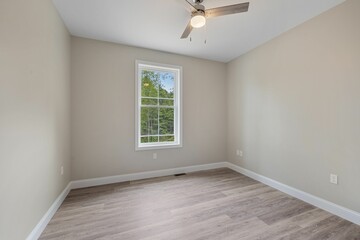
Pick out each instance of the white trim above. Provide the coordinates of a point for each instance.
(333, 208)
(39, 228)
(178, 105)
(144, 175)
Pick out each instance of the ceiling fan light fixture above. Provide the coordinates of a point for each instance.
(198, 20)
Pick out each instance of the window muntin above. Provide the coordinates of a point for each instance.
(158, 106)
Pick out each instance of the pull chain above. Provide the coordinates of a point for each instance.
(205, 34)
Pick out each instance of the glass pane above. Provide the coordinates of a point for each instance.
(144, 139)
(166, 102)
(154, 139)
(166, 119)
(166, 84)
(149, 139)
(149, 83)
(149, 121)
(167, 139)
(149, 101)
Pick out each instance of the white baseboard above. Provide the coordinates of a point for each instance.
(39, 228)
(144, 175)
(333, 208)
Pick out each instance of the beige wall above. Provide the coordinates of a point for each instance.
(34, 113)
(294, 107)
(103, 105)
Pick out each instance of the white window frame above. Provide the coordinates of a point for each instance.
(139, 65)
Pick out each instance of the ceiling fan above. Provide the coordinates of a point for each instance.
(199, 14)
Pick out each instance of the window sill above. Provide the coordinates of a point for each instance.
(156, 147)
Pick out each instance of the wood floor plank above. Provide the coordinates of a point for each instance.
(209, 205)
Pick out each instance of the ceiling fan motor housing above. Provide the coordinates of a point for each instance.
(199, 9)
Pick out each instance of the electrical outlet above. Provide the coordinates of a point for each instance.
(333, 179)
(239, 153)
(62, 170)
(154, 155)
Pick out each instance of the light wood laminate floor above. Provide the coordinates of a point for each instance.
(216, 204)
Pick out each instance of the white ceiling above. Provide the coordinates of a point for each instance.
(158, 24)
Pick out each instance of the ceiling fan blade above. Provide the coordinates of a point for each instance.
(190, 6)
(187, 31)
(231, 9)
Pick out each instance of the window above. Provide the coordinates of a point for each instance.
(158, 106)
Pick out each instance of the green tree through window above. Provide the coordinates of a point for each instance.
(157, 106)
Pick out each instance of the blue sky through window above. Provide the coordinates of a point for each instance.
(167, 81)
